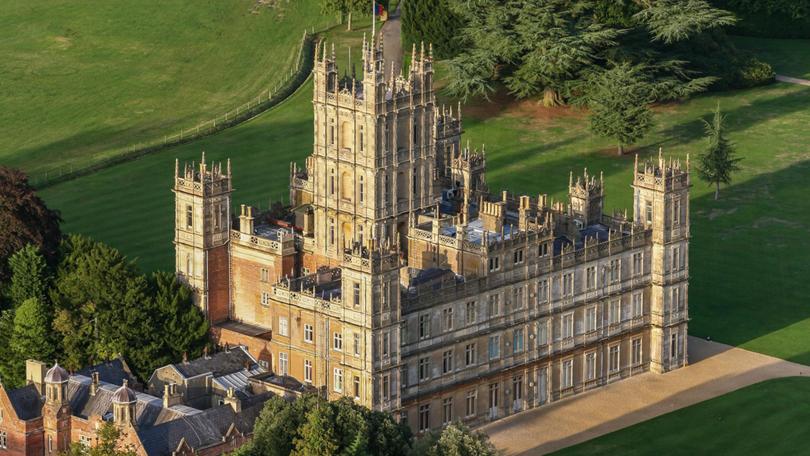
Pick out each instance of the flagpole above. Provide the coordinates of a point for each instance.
(373, 19)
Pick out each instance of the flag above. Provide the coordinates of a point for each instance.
(379, 9)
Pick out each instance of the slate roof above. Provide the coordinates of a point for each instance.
(203, 429)
(218, 364)
(115, 372)
(26, 401)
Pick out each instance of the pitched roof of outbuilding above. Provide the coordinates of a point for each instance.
(26, 401)
(218, 364)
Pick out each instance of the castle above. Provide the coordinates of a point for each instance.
(400, 281)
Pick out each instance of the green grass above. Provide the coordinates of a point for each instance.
(788, 57)
(749, 250)
(760, 419)
(83, 80)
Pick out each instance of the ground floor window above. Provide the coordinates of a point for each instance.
(447, 410)
(338, 380)
(637, 351)
(424, 417)
(471, 399)
(613, 358)
(567, 373)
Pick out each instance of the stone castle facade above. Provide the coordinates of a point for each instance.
(399, 280)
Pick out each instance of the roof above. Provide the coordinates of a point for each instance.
(114, 371)
(221, 363)
(56, 374)
(124, 395)
(26, 401)
(237, 380)
(201, 430)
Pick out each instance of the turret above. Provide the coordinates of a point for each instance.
(586, 196)
(123, 403)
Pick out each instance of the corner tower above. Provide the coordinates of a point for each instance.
(661, 203)
(202, 229)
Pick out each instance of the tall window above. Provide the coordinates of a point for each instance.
(189, 216)
(518, 256)
(362, 139)
(517, 340)
(613, 358)
(471, 399)
(362, 188)
(447, 361)
(636, 353)
(649, 211)
(638, 263)
(264, 275)
(493, 305)
(676, 212)
(283, 326)
(356, 344)
(283, 363)
(673, 346)
(542, 249)
(447, 410)
(386, 387)
(590, 278)
(470, 312)
(568, 284)
(493, 395)
(542, 333)
(3, 440)
(217, 215)
(337, 341)
(424, 417)
(568, 325)
(638, 304)
(415, 179)
(542, 291)
(424, 326)
(308, 333)
(356, 387)
(567, 373)
(590, 319)
(469, 354)
(615, 311)
(517, 387)
(494, 347)
(308, 371)
(590, 366)
(494, 264)
(265, 299)
(424, 368)
(331, 231)
(338, 380)
(615, 270)
(517, 297)
(386, 344)
(676, 258)
(356, 294)
(447, 318)
(332, 182)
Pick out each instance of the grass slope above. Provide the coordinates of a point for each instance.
(759, 419)
(748, 252)
(788, 57)
(84, 80)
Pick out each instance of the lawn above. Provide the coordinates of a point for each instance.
(760, 419)
(83, 80)
(748, 253)
(788, 57)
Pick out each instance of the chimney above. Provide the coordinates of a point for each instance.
(185, 358)
(170, 396)
(232, 400)
(95, 381)
(246, 220)
(35, 374)
(205, 352)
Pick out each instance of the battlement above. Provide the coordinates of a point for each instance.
(585, 186)
(661, 174)
(200, 179)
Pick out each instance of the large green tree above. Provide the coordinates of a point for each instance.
(455, 440)
(30, 275)
(31, 338)
(24, 219)
(431, 22)
(347, 8)
(183, 327)
(8, 367)
(719, 161)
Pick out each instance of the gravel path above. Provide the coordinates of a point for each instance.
(392, 41)
(790, 80)
(714, 369)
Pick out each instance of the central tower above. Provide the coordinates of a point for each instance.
(375, 155)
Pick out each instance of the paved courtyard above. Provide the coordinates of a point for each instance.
(714, 369)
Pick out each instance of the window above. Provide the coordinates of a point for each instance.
(447, 318)
(283, 326)
(264, 275)
(469, 354)
(615, 311)
(542, 249)
(638, 263)
(676, 255)
(386, 387)
(590, 278)
(264, 364)
(50, 444)
(518, 256)
(424, 368)
(493, 395)
(676, 212)
(494, 347)
(567, 373)
(4, 440)
(386, 344)
(337, 341)
(636, 353)
(265, 298)
(356, 387)
(638, 304)
(217, 215)
(648, 211)
(415, 179)
(542, 333)
(447, 361)
(471, 399)
(424, 417)
(338, 380)
(447, 410)
(568, 325)
(590, 319)
(308, 371)
(331, 231)
(517, 298)
(424, 326)
(188, 264)
(542, 291)
(470, 316)
(673, 346)
(332, 134)
(189, 216)
(615, 270)
(283, 363)
(675, 299)
(362, 138)
(517, 341)
(332, 181)
(356, 294)
(568, 284)
(493, 305)
(590, 366)
(356, 344)
(613, 358)
(308, 333)
(494, 264)
(362, 187)
(517, 387)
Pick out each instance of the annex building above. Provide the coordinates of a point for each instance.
(401, 281)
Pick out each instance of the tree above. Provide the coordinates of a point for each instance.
(30, 337)
(678, 20)
(346, 8)
(618, 100)
(455, 440)
(24, 219)
(431, 22)
(7, 358)
(184, 328)
(719, 162)
(30, 276)
(109, 444)
(334, 428)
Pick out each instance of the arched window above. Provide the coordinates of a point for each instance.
(345, 186)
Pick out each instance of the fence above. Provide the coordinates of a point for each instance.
(293, 79)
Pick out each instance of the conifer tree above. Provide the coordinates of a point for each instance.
(29, 275)
(184, 328)
(30, 338)
(719, 161)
